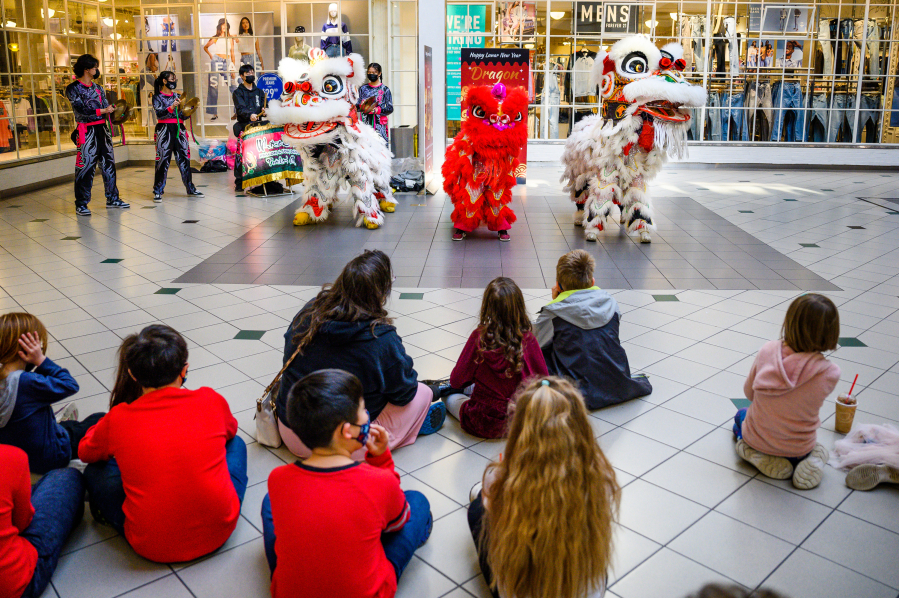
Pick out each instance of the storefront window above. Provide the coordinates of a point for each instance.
(205, 43)
(782, 72)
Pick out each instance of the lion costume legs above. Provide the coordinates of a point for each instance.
(622, 185)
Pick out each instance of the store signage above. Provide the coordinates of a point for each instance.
(463, 23)
(489, 66)
(606, 17)
(272, 86)
(429, 114)
(755, 17)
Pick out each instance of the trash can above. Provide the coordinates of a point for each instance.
(402, 141)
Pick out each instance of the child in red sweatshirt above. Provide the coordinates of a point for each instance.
(332, 505)
(787, 386)
(167, 470)
(34, 522)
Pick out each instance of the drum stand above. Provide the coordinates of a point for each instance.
(266, 194)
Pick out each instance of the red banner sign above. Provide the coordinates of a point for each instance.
(489, 66)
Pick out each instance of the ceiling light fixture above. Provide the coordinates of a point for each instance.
(557, 14)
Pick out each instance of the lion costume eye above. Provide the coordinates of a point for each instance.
(478, 112)
(634, 63)
(332, 85)
(518, 118)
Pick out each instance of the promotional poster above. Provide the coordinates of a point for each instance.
(157, 55)
(488, 66)
(462, 20)
(227, 42)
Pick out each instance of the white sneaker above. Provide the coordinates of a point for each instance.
(776, 468)
(67, 413)
(867, 476)
(579, 217)
(810, 470)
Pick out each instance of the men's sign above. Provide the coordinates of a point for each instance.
(606, 17)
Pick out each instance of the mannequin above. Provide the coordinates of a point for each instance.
(336, 34)
(300, 49)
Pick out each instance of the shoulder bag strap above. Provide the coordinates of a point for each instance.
(278, 377)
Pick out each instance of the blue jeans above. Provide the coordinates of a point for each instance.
(107, 495)
(218, 77)
(58, 501)
(787, 98)
(847, 28)
(738, 433)
(732, 108)
(398, 546)
(867, 111)
(713, 115)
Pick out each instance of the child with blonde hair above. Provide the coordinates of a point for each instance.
(543, 522)
(30, 384)
(500, 353)
(787, 385)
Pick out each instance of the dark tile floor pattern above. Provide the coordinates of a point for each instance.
(694, 248)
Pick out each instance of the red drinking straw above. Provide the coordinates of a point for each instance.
(853, 385)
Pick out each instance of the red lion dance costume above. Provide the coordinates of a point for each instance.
(479, 169)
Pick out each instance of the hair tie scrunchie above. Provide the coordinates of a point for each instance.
(544, 382)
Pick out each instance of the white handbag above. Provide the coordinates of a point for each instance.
(267, 432)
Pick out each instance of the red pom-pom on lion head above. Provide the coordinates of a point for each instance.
(495, 115)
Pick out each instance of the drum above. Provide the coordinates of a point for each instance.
(266, 158)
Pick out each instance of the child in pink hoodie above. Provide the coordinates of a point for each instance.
(787, 385)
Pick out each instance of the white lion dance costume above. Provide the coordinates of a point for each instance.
(610, 157)
(319, 117)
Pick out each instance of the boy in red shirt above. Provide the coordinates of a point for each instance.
(34, 522)
(167, 470)
(331, 505)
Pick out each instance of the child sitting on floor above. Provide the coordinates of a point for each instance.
(578, 333)
(787, 385)
(34, 522)
(500, 353)
(167, 470)
(30, 384)
(343, 528)
(542, 524)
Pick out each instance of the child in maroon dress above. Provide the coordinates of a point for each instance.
(499, 354)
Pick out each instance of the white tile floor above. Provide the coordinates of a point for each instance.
(692, 512)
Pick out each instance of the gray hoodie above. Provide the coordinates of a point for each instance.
(9, 390)
(584, 310)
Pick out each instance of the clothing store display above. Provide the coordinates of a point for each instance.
(577, 82)
(732, 112)
(219, 77)
(299, 51)
(697, 27)
(789, 118)
(866, 36)
(758, 99)
(552, 98)
(686, 34)
(94, 142)
(336, 36)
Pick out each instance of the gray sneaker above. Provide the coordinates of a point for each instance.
(776, 468)
(809, 471)
(117, 203)
(82, 211)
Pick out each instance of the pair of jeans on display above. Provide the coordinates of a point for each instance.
(552, 113)
(732, 112)
(219, 77)
(788, 101)
(697, 26)
(758, 97)
(713, 118)
(867, 37)
(831, 119)
(251, 59)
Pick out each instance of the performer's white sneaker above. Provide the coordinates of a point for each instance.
(579, 218)
(645, 237)
(590, 236)
(157, 198)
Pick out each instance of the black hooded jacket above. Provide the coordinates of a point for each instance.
(376, 357)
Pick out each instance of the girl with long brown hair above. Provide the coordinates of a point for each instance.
(552, 465)
(500, 353)
(346, 327)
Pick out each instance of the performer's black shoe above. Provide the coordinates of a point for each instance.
(195, 193)
(82, 210)
(157, 198)
(117, 203)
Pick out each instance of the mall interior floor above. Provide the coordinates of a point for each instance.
(692, 511)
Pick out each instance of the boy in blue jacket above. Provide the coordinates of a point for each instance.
(578, 333)
(30, 384)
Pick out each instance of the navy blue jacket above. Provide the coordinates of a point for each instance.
(376, 357)
(32, 426)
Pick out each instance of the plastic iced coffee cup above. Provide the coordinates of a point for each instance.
(846, 405)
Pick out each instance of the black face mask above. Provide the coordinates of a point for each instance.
(372, 77)
(171, 84)
(250, 79)
(97, 74)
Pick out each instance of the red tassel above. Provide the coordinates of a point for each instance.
(628, 148)
(647, 136)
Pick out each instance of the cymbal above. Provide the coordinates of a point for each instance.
(120, 114)
(188, 107)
